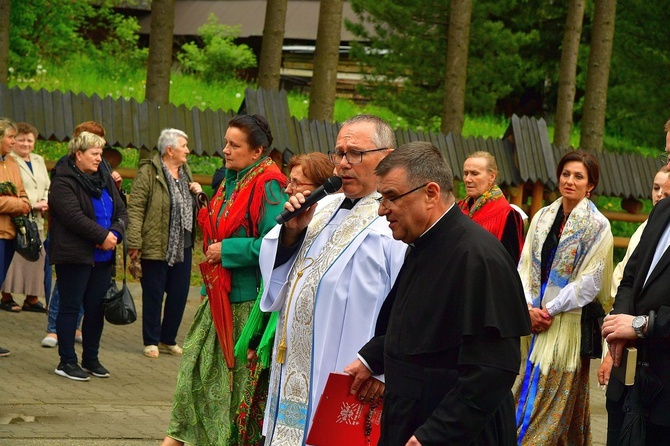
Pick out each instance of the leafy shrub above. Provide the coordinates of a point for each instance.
(219, 58)
(121, 44)
(45, 30)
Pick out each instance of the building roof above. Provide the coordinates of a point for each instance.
(302, 18)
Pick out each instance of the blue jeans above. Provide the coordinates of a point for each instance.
(54, 303)
(6, 256)
(159, 279)
(81, 284)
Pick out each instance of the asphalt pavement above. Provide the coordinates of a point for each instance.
(131, 408)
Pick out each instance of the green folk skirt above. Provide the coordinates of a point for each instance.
(204, 407)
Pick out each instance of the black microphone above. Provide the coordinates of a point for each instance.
(330, 186)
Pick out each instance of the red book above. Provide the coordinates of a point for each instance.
(341, 419)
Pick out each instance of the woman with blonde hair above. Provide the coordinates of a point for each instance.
(88, 220)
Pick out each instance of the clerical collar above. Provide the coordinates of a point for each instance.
(436, 221)
(348, 203)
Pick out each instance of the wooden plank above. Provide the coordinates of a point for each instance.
(83, 109)
(123, 123)
(154, 125)
(306, 132)
(49, 129)
(68, 114)
(22, 106)
(197, 131)
(145, 138)
(62, 116)
(322, 136)
(188, 127)
(96, 109)
(211, 143)
(163, 117)
(5, 102)
(108, 120)
(40, 112)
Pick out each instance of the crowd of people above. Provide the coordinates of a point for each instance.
(471, 329)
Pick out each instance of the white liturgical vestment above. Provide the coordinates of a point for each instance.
(329, 295)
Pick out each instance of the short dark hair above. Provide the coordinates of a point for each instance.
(257, 129)
(589, 161)
(423, 163)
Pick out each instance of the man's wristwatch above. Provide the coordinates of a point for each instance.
(639, 322)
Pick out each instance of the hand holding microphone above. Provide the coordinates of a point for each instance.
(330, 186)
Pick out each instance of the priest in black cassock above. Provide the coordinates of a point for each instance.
(448, 335)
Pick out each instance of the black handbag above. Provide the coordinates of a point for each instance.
(592, 321)
(118, 305)
(27, 242)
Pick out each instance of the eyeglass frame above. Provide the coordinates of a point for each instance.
(333, 153)
(381, 200)
(294, 184)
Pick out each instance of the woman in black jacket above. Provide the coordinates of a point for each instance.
(88, 219)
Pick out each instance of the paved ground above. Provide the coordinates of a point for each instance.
(132, 407)
(38, 407)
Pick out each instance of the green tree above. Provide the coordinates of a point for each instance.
(46, 30)
(639, 85)
(408, 40)
(160, 51)
(453, 105)
(269, 66)
(326, 58)
(567, 76)
(5, 6)
(595, 99)
(219, 58)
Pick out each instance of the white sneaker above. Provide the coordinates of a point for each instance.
(49, 342)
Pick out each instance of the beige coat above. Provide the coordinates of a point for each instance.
(24, 277)
(36, 183)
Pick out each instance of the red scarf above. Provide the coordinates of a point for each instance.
(491, 214)
(242, 210)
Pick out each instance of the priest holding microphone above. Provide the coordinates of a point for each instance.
(327, 270)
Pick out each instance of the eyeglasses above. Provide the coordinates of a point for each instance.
(387, 202)
(294, 184)
(352, 156)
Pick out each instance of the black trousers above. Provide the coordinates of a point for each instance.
(172, 282)
(81, 284)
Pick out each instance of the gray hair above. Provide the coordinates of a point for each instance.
(6, 124)
(384, 135)
(83, 142)
(168, 138)
(422, 162)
